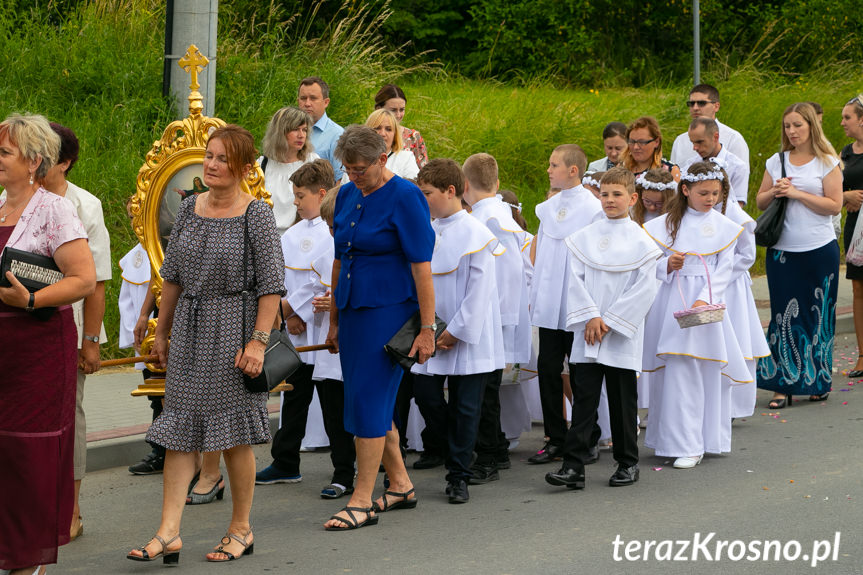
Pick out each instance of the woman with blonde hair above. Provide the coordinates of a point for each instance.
(644, 148)
(287, 145)
(399, 161)
(38, 351)
(803, 266)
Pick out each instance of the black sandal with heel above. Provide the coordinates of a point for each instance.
(248, 548)
(780, 402)
(171, 558)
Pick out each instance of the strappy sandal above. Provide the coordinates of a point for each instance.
(822, 397)
(217, 492)
(350, 522)
(402, 503)
(777, 402)
(171, 558)
(248, 548)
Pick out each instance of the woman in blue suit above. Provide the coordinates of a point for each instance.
(381, 277)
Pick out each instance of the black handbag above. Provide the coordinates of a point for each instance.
(33, 271)
(768, 226)
(399, 345)
(281, 360)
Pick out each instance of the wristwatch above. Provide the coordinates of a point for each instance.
(93, 338)
(432, 327)
(31, 302)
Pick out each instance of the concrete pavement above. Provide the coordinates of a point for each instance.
(794, 475)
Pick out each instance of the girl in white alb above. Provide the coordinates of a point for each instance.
(741, 303)
(135, 273)
(692, 369)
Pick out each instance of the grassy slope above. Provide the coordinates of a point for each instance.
(101, 75)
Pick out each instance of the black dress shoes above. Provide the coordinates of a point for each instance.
(567, 476)
(457, 491)
(547, 454)
(428, 461)
(624, 476)
(592, 455)
(483, 474)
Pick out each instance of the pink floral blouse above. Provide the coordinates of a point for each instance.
(414, 143)
(47, 223)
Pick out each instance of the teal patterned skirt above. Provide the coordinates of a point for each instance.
(803, 320)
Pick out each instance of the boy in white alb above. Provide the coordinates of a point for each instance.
(612, 283)
(327, 373)
(302, 244)
(560, 216)
(480, 192)
(468, 351)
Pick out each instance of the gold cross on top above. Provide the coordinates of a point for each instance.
(193, 62)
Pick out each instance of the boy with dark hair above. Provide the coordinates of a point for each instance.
(466, 298)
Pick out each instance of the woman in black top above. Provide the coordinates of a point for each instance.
(852, 197)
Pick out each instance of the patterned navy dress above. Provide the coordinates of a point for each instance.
(207, 407)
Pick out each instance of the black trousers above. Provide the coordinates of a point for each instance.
(620, 384)
(295, 412)
(455, 418)
(554, 348)
(491, 443)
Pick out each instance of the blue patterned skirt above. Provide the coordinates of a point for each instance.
(803, 320)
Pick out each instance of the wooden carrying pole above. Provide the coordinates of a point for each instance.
(155, 358)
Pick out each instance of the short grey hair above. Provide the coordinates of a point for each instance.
(287, 119)
(35, 139)
(359, 143)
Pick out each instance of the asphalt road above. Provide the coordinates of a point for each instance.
(794, 476)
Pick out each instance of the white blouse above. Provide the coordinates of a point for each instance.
(403, 164)
(277, 181)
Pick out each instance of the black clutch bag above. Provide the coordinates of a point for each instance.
(399, 345)
(33, 271)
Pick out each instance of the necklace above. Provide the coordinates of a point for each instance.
(7, 214)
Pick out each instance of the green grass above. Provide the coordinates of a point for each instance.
(100, 73)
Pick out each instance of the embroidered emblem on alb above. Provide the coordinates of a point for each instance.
(139, 260)
(306, 244)
(604, 242)
(707, 230)
(561, 214)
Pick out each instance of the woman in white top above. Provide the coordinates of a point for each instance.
(399, 161)
(286, 147)
(803, 266)
(614, 142)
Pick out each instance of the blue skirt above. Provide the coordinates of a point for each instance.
(803, 289)
(371, 378)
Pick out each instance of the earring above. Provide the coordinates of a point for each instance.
(31, 179)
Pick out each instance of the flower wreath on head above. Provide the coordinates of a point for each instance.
(711, 175)
(589, 180)
(514, 206)
(658, 186)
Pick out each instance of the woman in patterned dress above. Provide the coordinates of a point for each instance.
(393, 99)
(207, 407)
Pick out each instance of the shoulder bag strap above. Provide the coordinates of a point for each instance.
(245, 292)
(782, 162)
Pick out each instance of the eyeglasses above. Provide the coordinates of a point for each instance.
(699, 103)
(651, 204)
(356, 172)
(640, 143)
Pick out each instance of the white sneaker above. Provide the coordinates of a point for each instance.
(688, 462)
